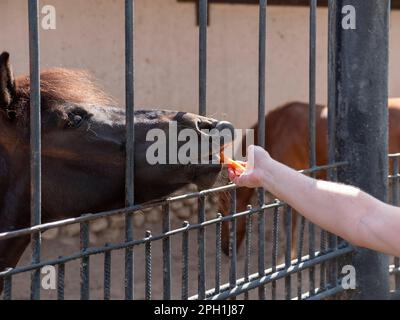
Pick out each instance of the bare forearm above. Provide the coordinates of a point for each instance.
(334, 207)
(343, 210)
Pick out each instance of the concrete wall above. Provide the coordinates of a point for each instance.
(90, 35)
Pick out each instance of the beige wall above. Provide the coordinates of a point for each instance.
(90, 35)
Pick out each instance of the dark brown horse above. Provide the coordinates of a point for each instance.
(83, 152)
(287, 141)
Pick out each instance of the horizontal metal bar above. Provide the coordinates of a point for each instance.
(94, 216)
(44, 227)
(98, 250)
(282, 271)
(321, 293)
(324, 167)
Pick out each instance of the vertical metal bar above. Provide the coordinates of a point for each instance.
(147, 279)
(311, 250)
(130, 143)
(332, 239)
(395, 183)
(261, 71)
(299, 284)
(107, 274)
(166, 243)
(185, 262)
(84, 244)
(333, 265)
(322, 273)
(218, 254)
(300, 256)
(203, 8)
(324, 234)
(7, 295)
(397, 274)
(35, 140)
(261, 131)
(201, 250)
(203, 4)
(395, 197)
(248, 250)
(396, 180)
(362, 122)
(275, 244)
(60, 281)
(312, 84)
(312, 127)
(288, 251)
(261, 241)
(331, 92)
(233, 242)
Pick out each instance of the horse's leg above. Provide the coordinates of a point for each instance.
(243, 197)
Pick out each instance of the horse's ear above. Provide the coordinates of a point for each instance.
(7, 83)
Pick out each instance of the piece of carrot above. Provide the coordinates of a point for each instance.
(231, 163)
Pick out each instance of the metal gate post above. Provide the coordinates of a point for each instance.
(358, 95)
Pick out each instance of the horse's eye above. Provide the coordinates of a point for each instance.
(77, 120)
(74, 120)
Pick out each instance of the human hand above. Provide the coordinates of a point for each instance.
(256, 169)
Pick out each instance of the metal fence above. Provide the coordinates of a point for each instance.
(317, 270)
(394, 183)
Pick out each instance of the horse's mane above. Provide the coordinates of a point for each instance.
(60, 86)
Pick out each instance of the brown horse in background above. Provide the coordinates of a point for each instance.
(83, 152)
(287, 141)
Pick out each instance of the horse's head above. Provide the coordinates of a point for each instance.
(84, 143)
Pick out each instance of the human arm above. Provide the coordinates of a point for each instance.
(343, 210)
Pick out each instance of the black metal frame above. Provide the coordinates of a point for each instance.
(331, 249)
(361, 113)
(395, 3)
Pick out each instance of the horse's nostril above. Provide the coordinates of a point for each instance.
(221, 125)
(205, 125)
(226, 129)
